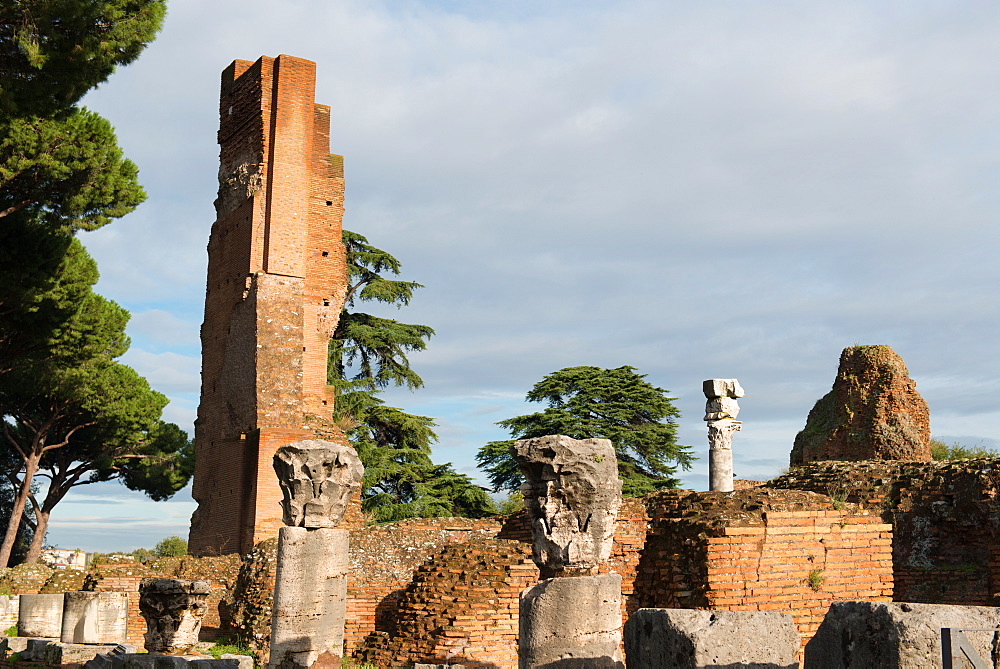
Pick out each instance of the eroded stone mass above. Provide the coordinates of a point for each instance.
(873, 412)
(318, 479)
(573, 493)
(173, 609)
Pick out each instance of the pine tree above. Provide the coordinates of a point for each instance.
(367, 354)
(585, 402)
(77, 416)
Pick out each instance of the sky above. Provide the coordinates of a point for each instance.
(698, 189)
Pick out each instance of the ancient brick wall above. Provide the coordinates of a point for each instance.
(944, 515)
(276, 283)
(461, 607)
(220, 573)
(756, 549)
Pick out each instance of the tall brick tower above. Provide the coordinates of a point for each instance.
(276, 284)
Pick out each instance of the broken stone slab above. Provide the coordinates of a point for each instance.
(719, 408)
(572, 492)
(173, 609)
(310, 596)
(688, 638)
(318, 479)
(40, 616)
(94, 617)
(896, 635)
(571, 623)
(17, 644)
(722, 388)
(57, 652)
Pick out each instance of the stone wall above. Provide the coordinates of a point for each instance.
(945, 517)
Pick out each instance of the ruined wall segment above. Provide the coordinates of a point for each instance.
(276, 283)
(873, 412)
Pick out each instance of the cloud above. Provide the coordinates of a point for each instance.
(696, 189)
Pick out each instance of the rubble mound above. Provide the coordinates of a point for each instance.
(873, 412)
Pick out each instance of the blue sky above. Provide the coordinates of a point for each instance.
(697, 189)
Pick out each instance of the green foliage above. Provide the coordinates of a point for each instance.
(171, 547)
(369, 353)
(54, 51)
(513, 503)
(585, 402)
(68, 411)
(11, 631)
(815, 579)
(942, 451)
(66, 172)
(143, 554)
(161, 464)
(76, 415)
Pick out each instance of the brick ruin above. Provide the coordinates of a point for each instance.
(445, 590)
(276, 283)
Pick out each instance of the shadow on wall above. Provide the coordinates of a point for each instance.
(385, 612)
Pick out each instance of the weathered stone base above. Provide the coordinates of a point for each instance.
(40, 616)
(95, 617)
(571, 622)
(310, 596)
(687, 638)
(896, 635)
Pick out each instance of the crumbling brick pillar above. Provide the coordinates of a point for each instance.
(276, 283)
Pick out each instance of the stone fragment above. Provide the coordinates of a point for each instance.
(310, 596)
(573, 494)
(173, 609)
(571, 623)
(873, 412)
(722, 388)
(57, 653)
(718, 408)
(8, 610)
(893, 635)
(94, 617)
(318, 479)
(688, 638)
(40, 616)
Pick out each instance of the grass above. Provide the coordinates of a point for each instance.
(815, 579)
(11, 631)
(233, 647)
(346, 663)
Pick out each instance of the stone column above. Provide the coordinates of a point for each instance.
(573, 616)
(721, 410)
(318, 479)
(95, 617)
(40, 616)
(173, 609)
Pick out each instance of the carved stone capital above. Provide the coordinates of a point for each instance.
(173, 610)
(317, 480)
(573, 494)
